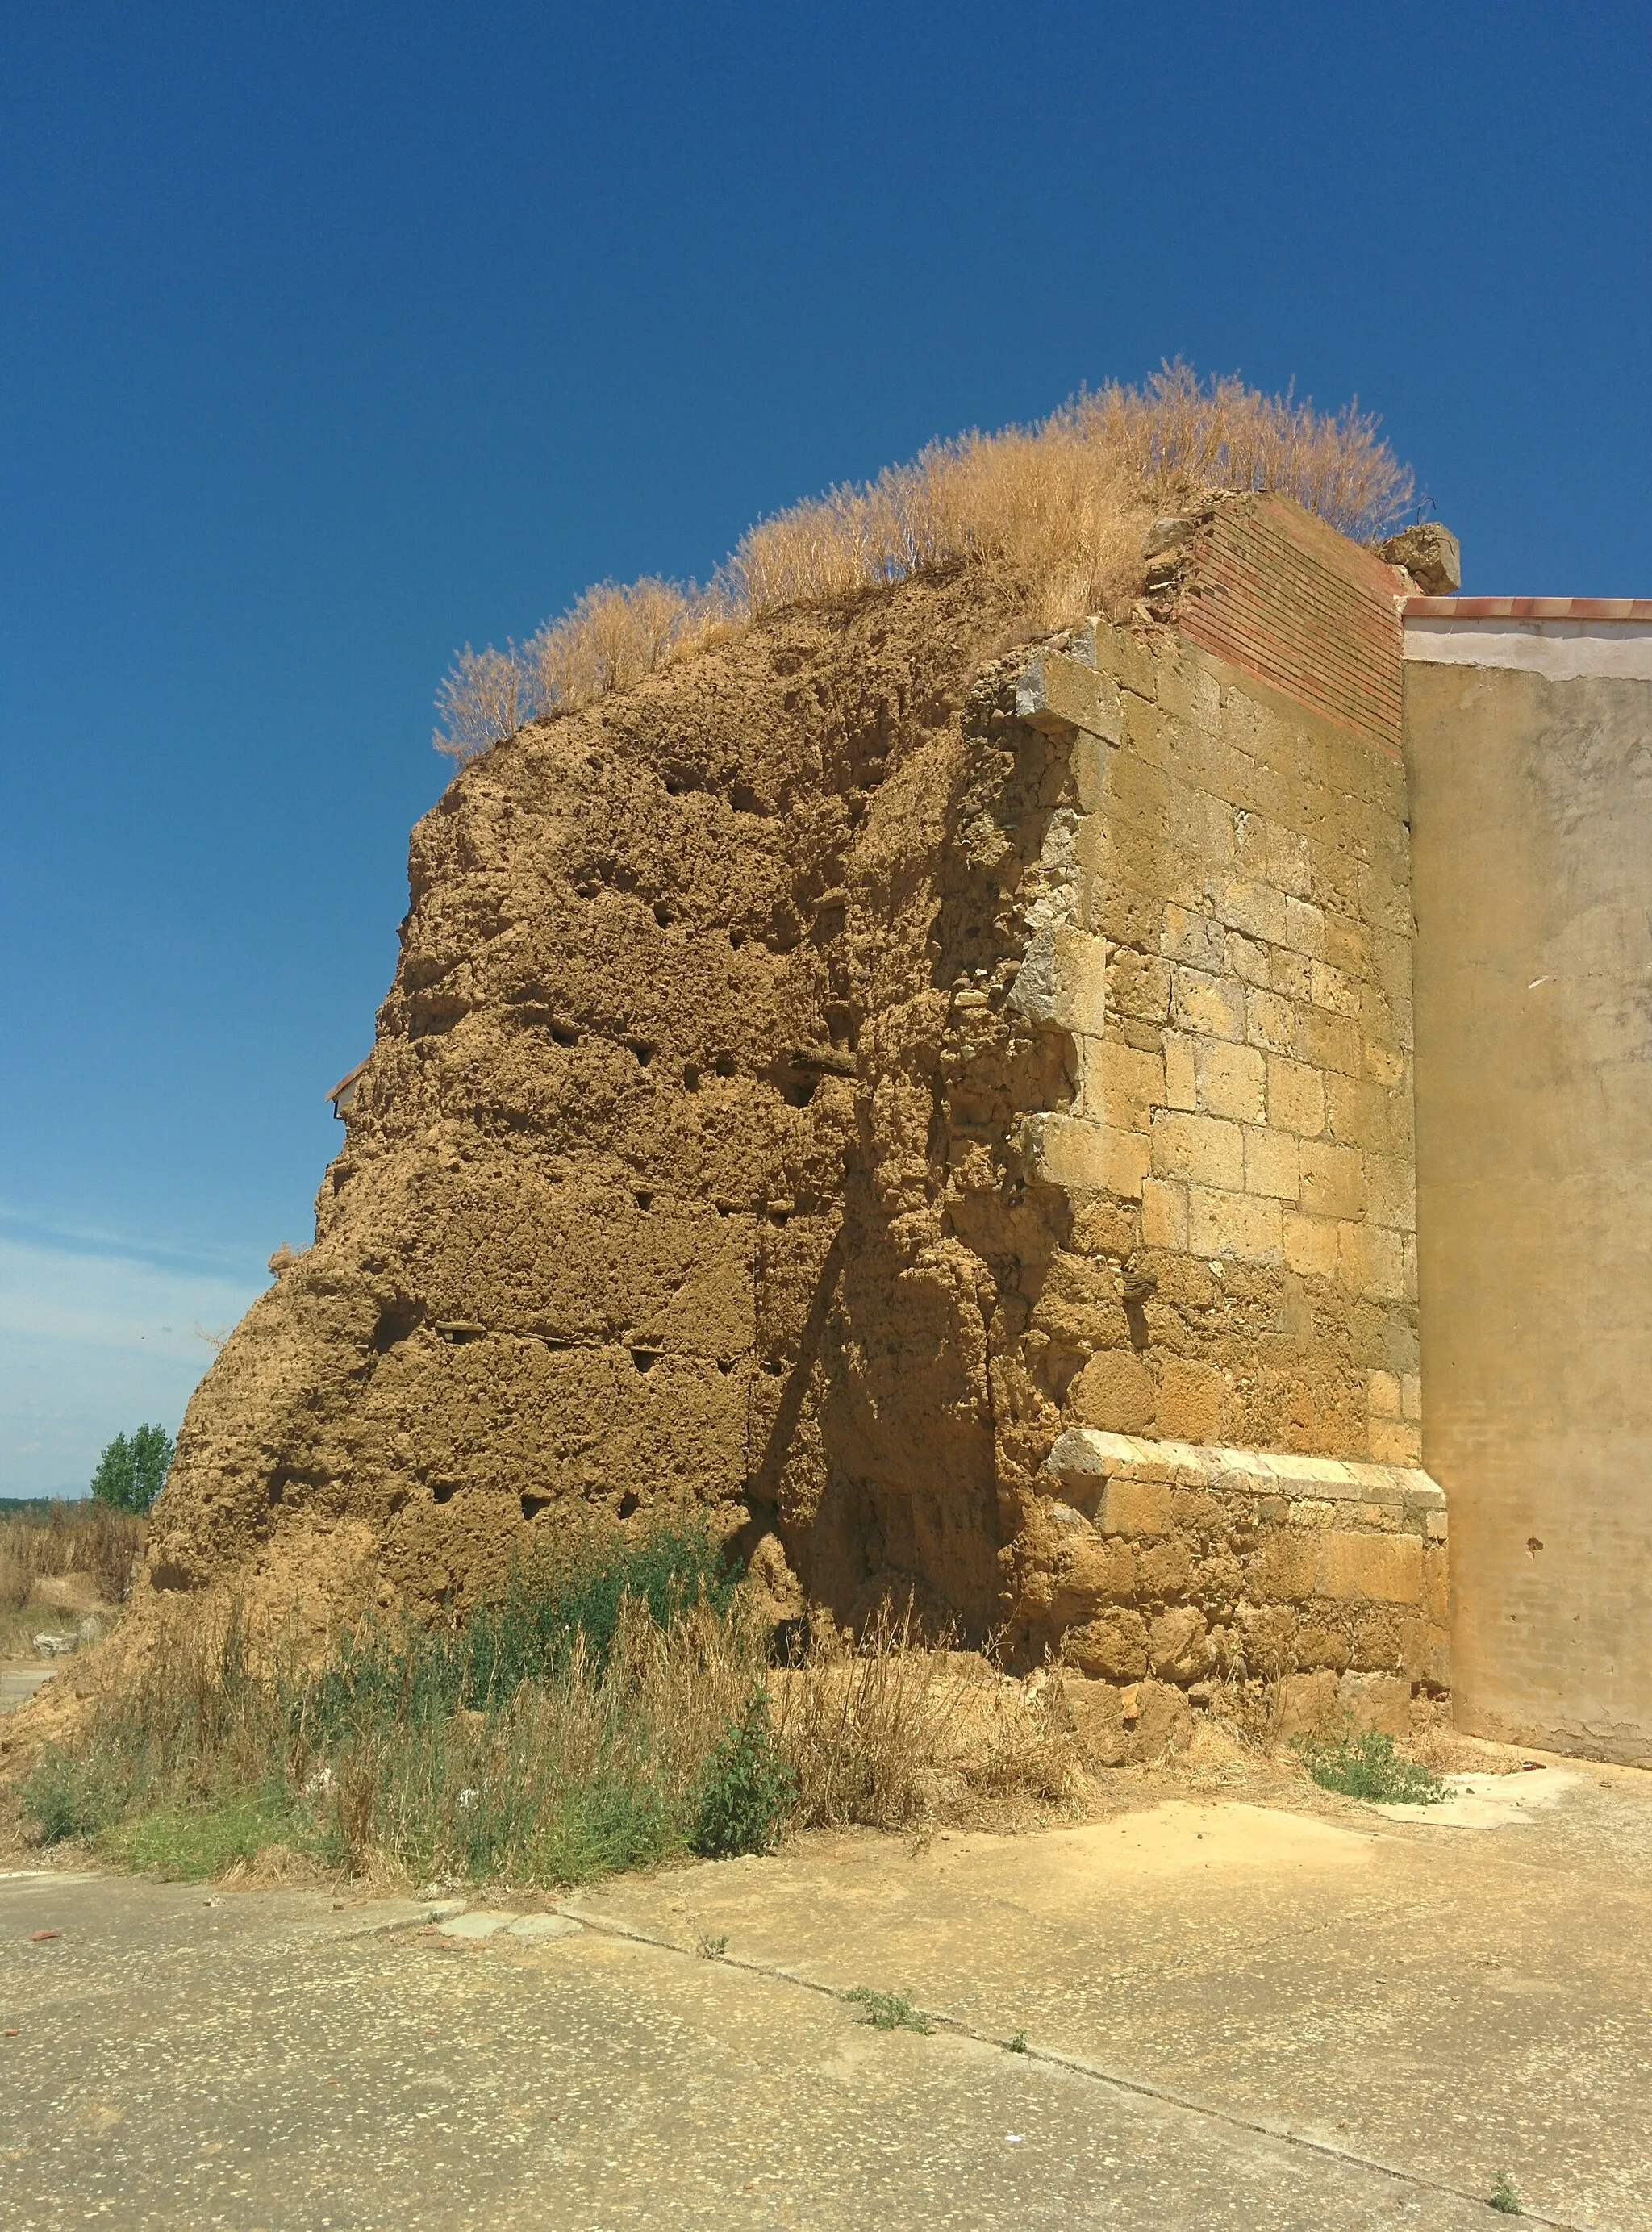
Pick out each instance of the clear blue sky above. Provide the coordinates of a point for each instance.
(332, 336)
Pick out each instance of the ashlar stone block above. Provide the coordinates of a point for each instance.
(1202, 1150)
(1232, 1080)
(1296, 1097)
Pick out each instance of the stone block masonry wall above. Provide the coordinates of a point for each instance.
(1237, 974)
(1325, 1578)
(1231, 956)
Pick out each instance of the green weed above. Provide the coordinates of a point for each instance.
(747, 1790)
(1503, 2198)
(1363, 1763)
(1016, 2043)
(188, 1843)
(889, 2010)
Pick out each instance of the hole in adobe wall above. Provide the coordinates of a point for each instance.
(799, 1091)
(773, 1366)
(396, 1321)
(565, 1034)
(644, 1359)
(725, 1208)
(690, 1078)
(630, 1502)
(725, 1365)
(777, 1216)
(643, 1198)
(441, 1490)
(533, 1505)
(663, 914)
(744, 799)
(644, 1052)
(736, 939)
(724, 1065)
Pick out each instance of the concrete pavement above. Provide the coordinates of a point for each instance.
(1409, 2009)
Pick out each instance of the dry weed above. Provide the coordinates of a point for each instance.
(1060, 505)
(892, 1731)
(70, 1538)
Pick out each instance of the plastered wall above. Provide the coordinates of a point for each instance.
(1530, 746)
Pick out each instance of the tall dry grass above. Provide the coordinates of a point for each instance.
(88, 1538)
(1060, 505)
(216, 1746)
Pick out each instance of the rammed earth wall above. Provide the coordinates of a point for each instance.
(820, 1081)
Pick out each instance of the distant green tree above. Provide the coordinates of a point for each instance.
(129, 1474)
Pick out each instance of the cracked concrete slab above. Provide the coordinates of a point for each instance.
(1236, 2016)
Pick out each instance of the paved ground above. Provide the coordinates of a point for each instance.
(18, 1684)
(1411, 2009)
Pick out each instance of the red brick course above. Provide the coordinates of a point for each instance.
(1279, 593)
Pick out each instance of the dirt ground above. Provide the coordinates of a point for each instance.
(1254, 2007)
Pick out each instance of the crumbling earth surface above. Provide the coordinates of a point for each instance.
(685, 1165)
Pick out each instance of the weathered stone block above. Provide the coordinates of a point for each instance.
(1270, 1020)
(1283, 1569)
(1194, 1400)
(1178, 1645)
(1330, 1042)
(1374, 1568)
(1197, 939)
(1233, 1080)
(1306, 1704)
(1081, 982)
(1214, 1007)
(1115, 1391)
(1135, 1506)
(1165, 1214)
(1369, 1261)
(1181, 1070)
(1242, 1225)
(1122, 1084)
(1310, 1246)
(1296, 1097)
(1334, 1179)
(1203, 1149)
(1377, 1701)
(1113, 1645)
(1255, 908)
(1074, 1152)
(1271, 1163)
(1117, 1726)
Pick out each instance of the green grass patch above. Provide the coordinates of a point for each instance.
(605, 1710)
(1363, 1763)
(889, 2010)
(191, 1844)
(1503, 2198)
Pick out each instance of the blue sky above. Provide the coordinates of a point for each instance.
(331, 337)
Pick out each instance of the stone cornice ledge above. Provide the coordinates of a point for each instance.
(1084, 1459)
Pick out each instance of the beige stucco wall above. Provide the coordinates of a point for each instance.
(1531, 815)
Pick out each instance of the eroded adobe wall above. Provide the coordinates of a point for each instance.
(645, 1191)
(824, 1080)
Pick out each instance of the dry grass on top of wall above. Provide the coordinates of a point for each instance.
(1061, 505)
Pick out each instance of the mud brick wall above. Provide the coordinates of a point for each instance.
(817, 1081)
